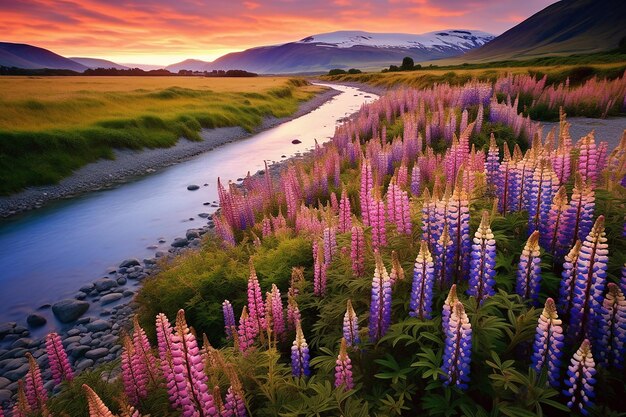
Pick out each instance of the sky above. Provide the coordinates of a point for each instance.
(167, 31)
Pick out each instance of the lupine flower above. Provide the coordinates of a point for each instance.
(330, 243)
(444, 254)
(552, 224)
(458, 217)
(229, 319)
(36, 394)
(416, 180)
(278, 318)
(266, 230)
(343, 368)
(397, 273)
(580, 380)
(380, 304)
(191, 379)
(256, 307)
(588, 159)
(320, 271)
(548, 346)
(529, 269)
(293, 312)
(428, 216)
(96, 407)
(357, 252)
(57, 358)
(611, 331)
(378, 222)
(164, 333)
(568, 279)
(458, 348)
(246, 332)
(21, 407)
(539, 195)
(590, 281)
(483, 261)
(492, 165)
(351, 326)
(579, 216)
(423, 280)
(297, 278)
(345, 215)
(367, 183)
(300, 354)
(144, 350)
(234, 405)
(134, 374)
(448, 303)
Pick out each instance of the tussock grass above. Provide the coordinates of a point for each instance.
(50, 126)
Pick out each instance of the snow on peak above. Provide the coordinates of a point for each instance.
(457, 38)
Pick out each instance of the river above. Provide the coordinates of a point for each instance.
(48, 253)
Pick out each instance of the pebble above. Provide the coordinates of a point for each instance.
(98, 325)
(96, 353)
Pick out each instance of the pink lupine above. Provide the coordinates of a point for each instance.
(334, 203)
(278, 318)
(343, 368)
(36, 394)
(256, 307)
(330, 243)
(195, 399)
(57, 358)
(367, 183)
(134, 373)
(357, 253)
(320, 270)
(266, 227)
(144, 350)
(378, 223)
(588, 159)
(164, 334)
(345, 215)
(246, 332)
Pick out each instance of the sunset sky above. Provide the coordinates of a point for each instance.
(168, 31)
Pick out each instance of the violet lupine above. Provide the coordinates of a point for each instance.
(428, 216)
(505, 180)
(459, 217)
(357, 251)
(580, 379)
(330, 243)
(96, 407)
(444, 256)
(458, 348)
(293, 312)
(57, 358)
(550, 227)
(591, 267)
(195, 398)
(492, 163)
(378, 222)
(345, 215)
(351, 326)
(229, 319)
(234, 406)
(343, 368)
(380, 303)
(611, 332)
(36, 394)
(397, 273)
(164, 334)
(588, 159)
(529, 269)
(134, 374)
(482, 261)
(548, 346)
(144, 350)
(278, 317)
(539, 195)
(568, 279)
(423, 281)
(246, 332)
(300, 354)
(448, 303)
(579, 217)
(416, 180)
(320, 270)
(256, 307)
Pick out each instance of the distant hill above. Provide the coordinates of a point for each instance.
(351, 49)
(188, 64)
(97, 63)
(31, 57)
(564, 28)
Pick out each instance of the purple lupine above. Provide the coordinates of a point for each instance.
(164, 333)
(134, 374)
(357, 251)
(482, 261)
(256, 307)
(568, 279)
(367, 183)
(416, 180)
(529, 269)
(229, 319)
(448, 303)
(611, 332)
(579, 216)
(458, 348)
(539, 195)
(278, 317)
(330, 243)
(194, 396)
(428, 216)
(351, 326)
(591, 267)
(380, 303)
(343, 369)
(492, 164)
(320, 271)
(443, 255)
(378, 222)
(504, 181)
(423, 281)
(548, 346)
(246, 332)
(300, 354)
(459, 217)
(397, 273)
(345, 215)
(234, 406)
(57, 358)
(553, 223)
(143, 350)
(36, 394)
(588, 159)
(580, 380)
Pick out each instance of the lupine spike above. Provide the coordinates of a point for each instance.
(256, 307)
(345, 215)
(423, 281)
(458, 348)
(568, 279)
(548, 346)
(36, 394)
(144, 350)
(96, 407)
(397, 273)
(552, 224)
(300, 354)
(343, 368)
(320, 272)
(611, 331)
(444, 254)
(483, 261)
(246, 332)
(448, 303)
(278, 318)
(380, 304)
(229, 319)
(529, 269)
(351, 326)
(164, 333)
(234, 405)
(57, 358)
(357, 252)
(293, 312)
(580, 380)
(134, 374)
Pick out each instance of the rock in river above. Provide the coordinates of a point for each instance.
(193, 187)
(110, 298)
(129, 262)
(180, 242)
(36, 320)
(104, 284)
(296, 141)
(69, 310)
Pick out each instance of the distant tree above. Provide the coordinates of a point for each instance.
(393, 68)
(354, 71)
(407, 63)
(417, 66)
(336, 71)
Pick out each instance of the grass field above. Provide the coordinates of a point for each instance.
(50, 126)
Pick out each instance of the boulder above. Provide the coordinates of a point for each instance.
(110, 298)
(104, 284)
(193, 187)
(296, 141)
(67, 311)
(180, 242)
(129, 262)
(36, 320)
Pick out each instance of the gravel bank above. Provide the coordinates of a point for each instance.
(130, 164)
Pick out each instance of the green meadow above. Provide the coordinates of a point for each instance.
(51, 126)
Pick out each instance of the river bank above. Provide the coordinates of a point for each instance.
(129, 165)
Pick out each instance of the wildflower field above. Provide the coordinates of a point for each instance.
(441, 256)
